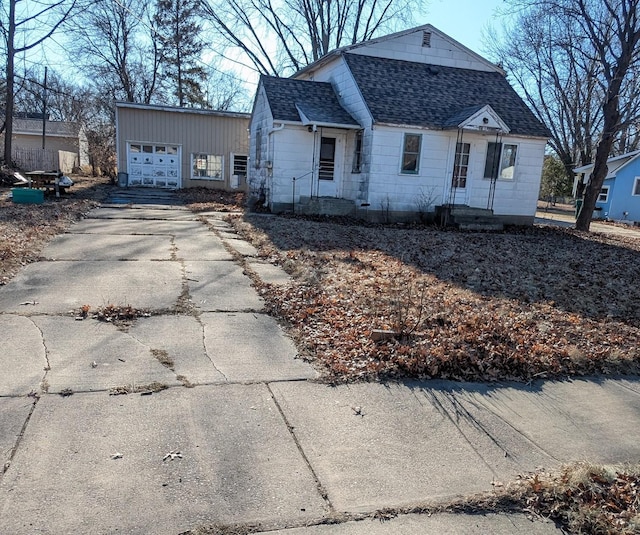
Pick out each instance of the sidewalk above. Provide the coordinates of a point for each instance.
(224, 425)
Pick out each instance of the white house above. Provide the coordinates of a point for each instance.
(396, 125)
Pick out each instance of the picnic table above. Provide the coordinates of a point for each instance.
(47, 180)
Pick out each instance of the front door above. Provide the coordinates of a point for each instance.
(330, 166)
(461, 174)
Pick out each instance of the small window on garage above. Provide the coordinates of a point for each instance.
(240, 165)
(206, 166)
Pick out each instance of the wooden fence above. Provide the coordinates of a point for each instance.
(45, 160)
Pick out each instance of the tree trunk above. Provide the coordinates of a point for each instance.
(600, 169)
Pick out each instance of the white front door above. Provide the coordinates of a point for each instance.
(330, 165)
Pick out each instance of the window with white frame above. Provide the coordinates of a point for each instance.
(239, 165)
(501, 160)
(636, 186)
(206, 166)
(603, 196)
(411, 153)
(357, 153)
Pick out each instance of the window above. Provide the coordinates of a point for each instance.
(206, 166)
(636, 186)
(501, 161)
(357, 153)
(461, 165)
(603, 195)
(258, 147)
(411, 153)
(239, 165)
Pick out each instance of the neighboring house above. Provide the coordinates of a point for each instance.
(167, 147)
(65, 145)
(619, 197)
(395, 126)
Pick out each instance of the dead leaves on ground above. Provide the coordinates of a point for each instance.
(520, 305)
(587, 498)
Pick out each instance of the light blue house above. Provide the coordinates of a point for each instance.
(619, 198)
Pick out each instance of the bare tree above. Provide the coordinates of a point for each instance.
(116, 44)
(33, 24)
(279, 37)
(576, 61)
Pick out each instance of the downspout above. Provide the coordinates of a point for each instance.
(269, 132)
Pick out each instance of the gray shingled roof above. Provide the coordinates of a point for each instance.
(53, 128)
(404, 92)
(317, 100)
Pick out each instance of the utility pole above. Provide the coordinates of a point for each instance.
(44, 108)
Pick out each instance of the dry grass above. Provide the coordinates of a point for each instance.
(587, 498)
(204, 199)
(26, 228)
(523, 304)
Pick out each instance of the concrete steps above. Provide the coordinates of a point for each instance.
(468, 218)
(325, 206)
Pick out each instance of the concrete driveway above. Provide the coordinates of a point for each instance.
(202, 415)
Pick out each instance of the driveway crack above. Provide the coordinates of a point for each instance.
(321, 490)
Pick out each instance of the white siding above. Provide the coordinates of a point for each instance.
(403, 192)
(258, 173)
(336, 72)
(443, 51)
(293, 149)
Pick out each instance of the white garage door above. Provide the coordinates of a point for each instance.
(155, 166)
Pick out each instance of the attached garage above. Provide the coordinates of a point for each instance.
(166, 147)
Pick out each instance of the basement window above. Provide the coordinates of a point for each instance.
(206, 166)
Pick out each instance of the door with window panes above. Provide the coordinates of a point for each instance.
(462, 173)
(153, 165)
(330, 164)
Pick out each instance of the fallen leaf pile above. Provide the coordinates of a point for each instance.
(201, 199)
(585, 498)
(519, 305)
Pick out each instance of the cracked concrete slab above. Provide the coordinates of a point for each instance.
(375, 446)
(238, 462)
(22, 358)
(252, 347)
(59, 287)
(220, 286)
(120, 359)
(135, 227)
(13, 414)
(108, 247)
(168, 214)
(182, 337)
(269, 273)
(201, 246)
(242, 247)
(570, 420)
(440, 524)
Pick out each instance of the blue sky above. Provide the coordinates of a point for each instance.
(462, 19)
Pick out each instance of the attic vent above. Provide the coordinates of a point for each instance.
(426, 39)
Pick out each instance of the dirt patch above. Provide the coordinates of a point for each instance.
(523, 304)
